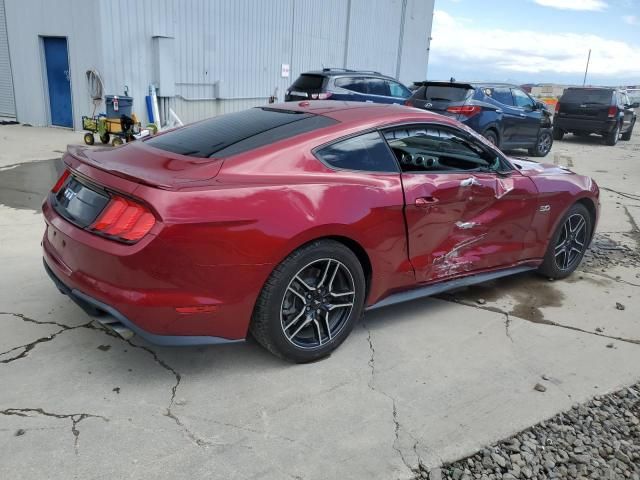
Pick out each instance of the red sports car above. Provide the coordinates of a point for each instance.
(289, 221)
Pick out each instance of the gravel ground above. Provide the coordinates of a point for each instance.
(596, 440)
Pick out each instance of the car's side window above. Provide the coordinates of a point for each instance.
(500, 94)
(434, 148)
(352, 83)
(378, 86)
(367, 152)
(397, 90)
(522, 99)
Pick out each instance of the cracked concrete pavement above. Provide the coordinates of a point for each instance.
(413, 386)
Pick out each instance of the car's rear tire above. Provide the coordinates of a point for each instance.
(612, 137)
(492, 136)
(626, 136)
(568, 243)
(310, 302)
(558, 134)
(543, 144)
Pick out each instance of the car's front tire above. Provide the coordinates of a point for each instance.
(310, 302)
(568, 243)
(543, 145)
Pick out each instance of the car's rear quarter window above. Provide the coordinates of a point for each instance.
(240, 132)
(367, 152)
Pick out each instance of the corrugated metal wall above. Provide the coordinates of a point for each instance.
(7, 102)
(30, 20)
(228, 53)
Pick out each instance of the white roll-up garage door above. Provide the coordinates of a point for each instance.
(7, 101)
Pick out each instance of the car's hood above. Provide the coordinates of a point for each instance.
(530, 169)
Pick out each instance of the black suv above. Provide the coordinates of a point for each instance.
(349, 85)
(505, 114)
(605, 111)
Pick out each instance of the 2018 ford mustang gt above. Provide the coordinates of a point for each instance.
(289, 221)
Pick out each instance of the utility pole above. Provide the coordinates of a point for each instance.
(584, 81)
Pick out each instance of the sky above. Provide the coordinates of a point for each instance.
(535, 41)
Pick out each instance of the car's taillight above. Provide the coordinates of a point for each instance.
(557, 109)
(613, 111)
(466, 110)
(61, 181)
(124, 219)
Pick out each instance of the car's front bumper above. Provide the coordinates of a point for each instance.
(111, 318)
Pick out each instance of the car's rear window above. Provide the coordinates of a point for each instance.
(240, 132)
(586, 96)
(306, 82)
(443, 93)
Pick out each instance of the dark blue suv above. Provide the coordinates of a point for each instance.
(348, 85)
(506, 115)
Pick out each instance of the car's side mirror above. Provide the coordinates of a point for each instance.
(541, 106)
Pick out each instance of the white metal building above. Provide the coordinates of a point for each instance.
(205, 56)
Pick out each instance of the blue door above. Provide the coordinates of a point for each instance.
(59, 80)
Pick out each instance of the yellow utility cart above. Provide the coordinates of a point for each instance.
(121, 129)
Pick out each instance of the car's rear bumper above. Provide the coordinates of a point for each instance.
(572, 124)
(120, 324)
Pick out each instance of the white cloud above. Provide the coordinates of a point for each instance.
(593, 5)
(496, 51)
(631, 19)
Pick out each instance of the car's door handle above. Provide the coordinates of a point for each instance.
(426, 201)
(523, 115)
(469, 182)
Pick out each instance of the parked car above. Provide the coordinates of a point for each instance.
(347, 85)
(604, 111)
(633, 94)
(289, 221)
(504, 114)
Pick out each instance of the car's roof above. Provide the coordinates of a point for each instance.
(459, 83)
(363, 114)
(340, 72)
(611, 89)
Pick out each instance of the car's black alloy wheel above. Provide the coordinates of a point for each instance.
(317, 303)
(568, 244)
(571, 243)
(310, 302)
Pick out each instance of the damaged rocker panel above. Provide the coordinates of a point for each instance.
(434, 289)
